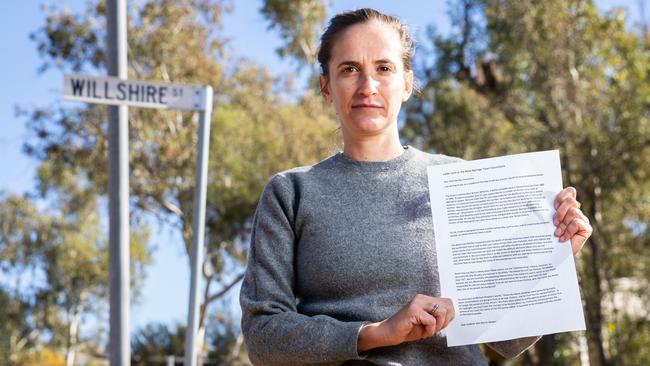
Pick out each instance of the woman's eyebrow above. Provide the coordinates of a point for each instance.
(348, 63)
(357, 64)
(384, 61)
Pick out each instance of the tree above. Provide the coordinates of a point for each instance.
(153, 343)
(258, 127)
(556, 74)
(16, 334)
(299, 23)
(65, 250)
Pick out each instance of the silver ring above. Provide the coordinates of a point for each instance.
(434, 310)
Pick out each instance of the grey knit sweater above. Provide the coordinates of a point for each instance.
(337, 244)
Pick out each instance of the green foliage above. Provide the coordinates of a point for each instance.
(299, 23)
(58, 266)
(15, 332)
(41, 357)
(512, 77)
(258, 128)
(634, 337)
(152, 343)
(527, 75)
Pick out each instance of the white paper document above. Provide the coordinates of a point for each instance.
(507, 274)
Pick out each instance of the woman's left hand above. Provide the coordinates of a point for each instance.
(571, 223)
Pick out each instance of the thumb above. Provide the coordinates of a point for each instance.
(425, 318)
(429, 322)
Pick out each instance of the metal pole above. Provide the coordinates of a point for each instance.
(118, 191)
(198, 225)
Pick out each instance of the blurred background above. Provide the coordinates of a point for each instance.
(495, 77)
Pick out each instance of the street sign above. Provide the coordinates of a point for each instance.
(122, 92)
(136, 93)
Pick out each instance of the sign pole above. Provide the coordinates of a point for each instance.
(119, 92)
(118, 191)
(198, 225)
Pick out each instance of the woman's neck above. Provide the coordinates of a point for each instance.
(373, 148)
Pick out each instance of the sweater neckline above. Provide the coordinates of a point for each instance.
(386, 165)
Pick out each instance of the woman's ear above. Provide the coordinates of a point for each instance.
(324, 88)
(408, 85)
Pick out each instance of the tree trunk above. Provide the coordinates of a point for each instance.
(544, 349)
(200, 338)
(73, 329)
(594, 305)
(594, 302)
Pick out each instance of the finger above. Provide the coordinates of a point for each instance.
(441, 316)
(578, 232)
(440, 319)
(572, 214)
(576, 226)
(451, 314)
(427, 303)
(427, 319)
(577, 242)
(429, 323)
(568, 192)
(429, 330)
(443, 320)
(432, 308)
(441, 308)
(562, 210)
(450, 317)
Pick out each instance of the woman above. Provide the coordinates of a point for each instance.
(342, 266)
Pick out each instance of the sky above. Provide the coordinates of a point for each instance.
(165, 293)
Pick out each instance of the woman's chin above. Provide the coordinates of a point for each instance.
(370, 126)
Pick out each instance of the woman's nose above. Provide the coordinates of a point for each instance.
(367, 85)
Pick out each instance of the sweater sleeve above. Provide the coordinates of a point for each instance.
(513, 347)
(274, 332)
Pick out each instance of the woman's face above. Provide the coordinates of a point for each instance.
(367, 83)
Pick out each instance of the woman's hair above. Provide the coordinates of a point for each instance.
(341, 22)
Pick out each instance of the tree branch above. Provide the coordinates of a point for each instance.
(204, 306)
(224, 290)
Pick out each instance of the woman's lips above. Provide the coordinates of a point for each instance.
(364, 105)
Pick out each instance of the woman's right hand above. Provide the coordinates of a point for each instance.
(418, 319)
